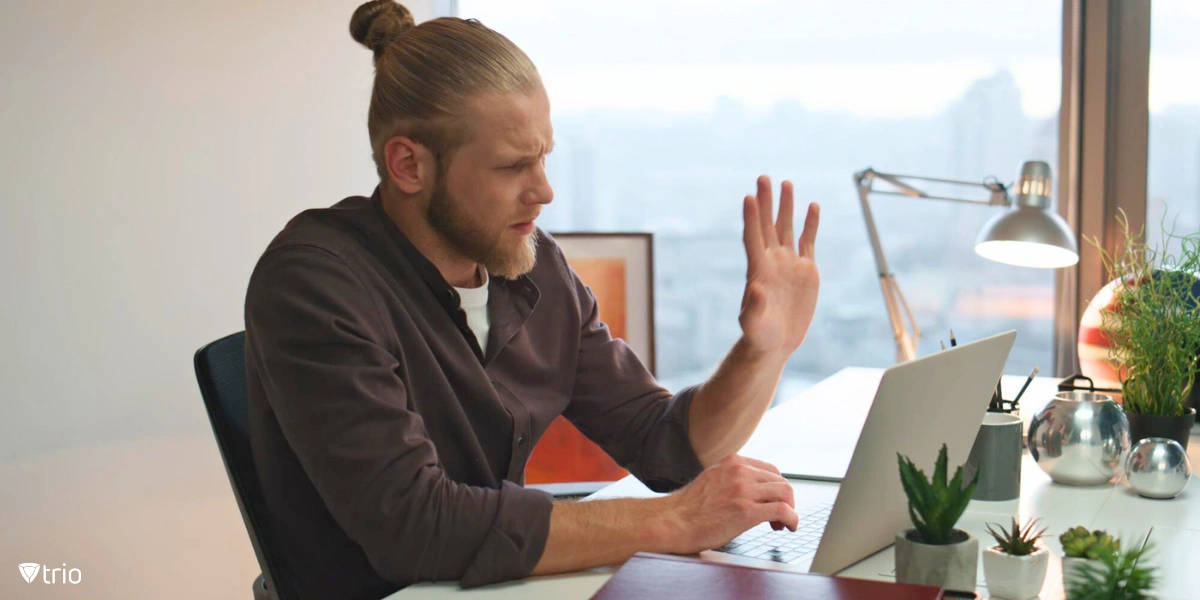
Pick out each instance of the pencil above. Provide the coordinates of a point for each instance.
(1032, 374)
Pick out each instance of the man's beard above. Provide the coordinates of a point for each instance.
(454, 222)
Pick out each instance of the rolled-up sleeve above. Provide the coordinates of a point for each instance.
(315, 336)
(617, 403)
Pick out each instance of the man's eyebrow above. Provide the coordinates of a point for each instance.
(531, 153)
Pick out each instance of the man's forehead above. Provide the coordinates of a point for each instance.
(514, 122)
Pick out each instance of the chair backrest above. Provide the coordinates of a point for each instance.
(221, 373)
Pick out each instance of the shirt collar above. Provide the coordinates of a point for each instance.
(428, 272)
(510, 300)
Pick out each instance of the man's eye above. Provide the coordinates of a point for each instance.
(515, 167)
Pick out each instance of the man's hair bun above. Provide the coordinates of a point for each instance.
(378, 23)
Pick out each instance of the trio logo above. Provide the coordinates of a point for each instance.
(30, 572)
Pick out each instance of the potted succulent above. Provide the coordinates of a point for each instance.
(934, 552)
(1015, 568)
(1152, 325)
(1081, 547)
(1117, 575)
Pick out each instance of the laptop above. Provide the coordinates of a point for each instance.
(823, 427)
(919, 405)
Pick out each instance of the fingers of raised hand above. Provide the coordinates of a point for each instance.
(752, 231)
(765, 211)
(808, 237)
(784, 228)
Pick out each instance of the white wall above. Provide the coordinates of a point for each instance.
(148, 152)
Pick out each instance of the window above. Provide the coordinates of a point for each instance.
(1173, 169)
(666, 111)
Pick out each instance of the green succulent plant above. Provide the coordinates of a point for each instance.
(1078, 542)
(1118, 576)
(1017, 541)
(935, 505)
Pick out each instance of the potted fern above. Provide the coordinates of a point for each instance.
(1152, 325)
(934, 552)
(1015, 568)
(1082, 547)
(1118, 575)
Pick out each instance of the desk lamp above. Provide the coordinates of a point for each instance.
(1029, 233)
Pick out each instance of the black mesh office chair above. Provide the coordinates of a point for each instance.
(221, 373)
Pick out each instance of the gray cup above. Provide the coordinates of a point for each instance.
(996, 456)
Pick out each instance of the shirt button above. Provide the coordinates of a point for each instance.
(521, 442)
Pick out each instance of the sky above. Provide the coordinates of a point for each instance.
(1174, 54)
(872, 58)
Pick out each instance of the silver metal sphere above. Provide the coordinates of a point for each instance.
(1158, 468)
(1080, 438)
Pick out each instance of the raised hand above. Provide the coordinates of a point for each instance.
(781, 276)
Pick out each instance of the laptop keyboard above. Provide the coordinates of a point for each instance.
(782, 546)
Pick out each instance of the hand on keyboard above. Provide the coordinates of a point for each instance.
(726, 499)
(783, 546)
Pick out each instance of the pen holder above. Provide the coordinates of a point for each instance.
(996, 456)
(999, 405)
(1004, 407)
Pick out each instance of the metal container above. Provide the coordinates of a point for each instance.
(1158, 468)
(1080, 438)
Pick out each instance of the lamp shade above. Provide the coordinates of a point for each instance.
(1028, 237)
(1030, 234)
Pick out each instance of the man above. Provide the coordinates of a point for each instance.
(405, 351)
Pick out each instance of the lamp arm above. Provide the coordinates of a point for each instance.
(998, 191)
(996, 199)
(908, 334)
(912, 322)
(893, 177)
(905, 342)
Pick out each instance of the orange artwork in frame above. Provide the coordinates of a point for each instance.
(618, 268)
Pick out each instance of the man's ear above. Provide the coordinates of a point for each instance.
(410, 165)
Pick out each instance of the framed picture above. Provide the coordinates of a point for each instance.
(619, 268)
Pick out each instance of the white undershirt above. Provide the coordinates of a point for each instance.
(474, 303)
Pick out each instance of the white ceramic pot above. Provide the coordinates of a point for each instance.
(1014, 577)
(1070, 568)
(950, 566)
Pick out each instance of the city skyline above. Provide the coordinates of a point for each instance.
(681, 177)
(665, 112)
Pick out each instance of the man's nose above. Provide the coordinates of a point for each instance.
(542, 192)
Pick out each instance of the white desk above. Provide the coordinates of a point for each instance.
(1174, 524)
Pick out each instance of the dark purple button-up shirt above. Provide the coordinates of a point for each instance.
(391, 450)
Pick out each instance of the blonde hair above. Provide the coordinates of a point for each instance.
(425, 74)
